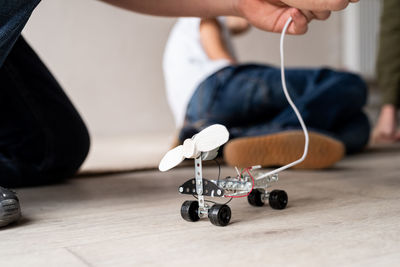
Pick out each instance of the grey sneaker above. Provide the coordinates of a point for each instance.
(10, 210)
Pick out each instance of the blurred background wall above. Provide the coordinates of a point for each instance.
(109, 60)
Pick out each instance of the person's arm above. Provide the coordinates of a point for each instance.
(237, 25)
(212, 40)
(269, 15)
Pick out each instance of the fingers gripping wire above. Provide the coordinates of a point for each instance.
(296, 111)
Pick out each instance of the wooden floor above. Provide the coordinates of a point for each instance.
(347, 216)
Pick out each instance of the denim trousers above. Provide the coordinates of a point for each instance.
(42, 137)
(248, 99)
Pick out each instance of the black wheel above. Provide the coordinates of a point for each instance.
(278, 199)
(219, 214)
(189, 211)
(255, 198)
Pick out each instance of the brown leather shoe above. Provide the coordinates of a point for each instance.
(282, 148)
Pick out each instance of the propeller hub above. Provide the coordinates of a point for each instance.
(189, 149)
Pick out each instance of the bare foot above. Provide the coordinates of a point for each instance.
(385, 128)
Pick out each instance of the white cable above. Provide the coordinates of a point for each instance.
(303, 126)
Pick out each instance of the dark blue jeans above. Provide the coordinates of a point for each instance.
(42, 137)
(249, 101)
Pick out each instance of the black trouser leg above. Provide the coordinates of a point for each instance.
(42, 137)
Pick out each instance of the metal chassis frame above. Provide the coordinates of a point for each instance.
(261, 183)
(203, 208)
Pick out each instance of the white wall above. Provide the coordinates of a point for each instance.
(361, 24)
(109, 60)
(320, 46)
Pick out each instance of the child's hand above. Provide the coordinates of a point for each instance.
(237, 25)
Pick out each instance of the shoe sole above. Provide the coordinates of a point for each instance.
(283, 148)
(10, 211)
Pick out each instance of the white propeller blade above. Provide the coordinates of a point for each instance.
(171, 159)
(207, 140)
(211, 137)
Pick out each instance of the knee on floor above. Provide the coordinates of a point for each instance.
(50, 156)
(351, 88)
(355, 82)
(71, 146)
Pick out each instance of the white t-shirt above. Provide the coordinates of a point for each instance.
(186, 64)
